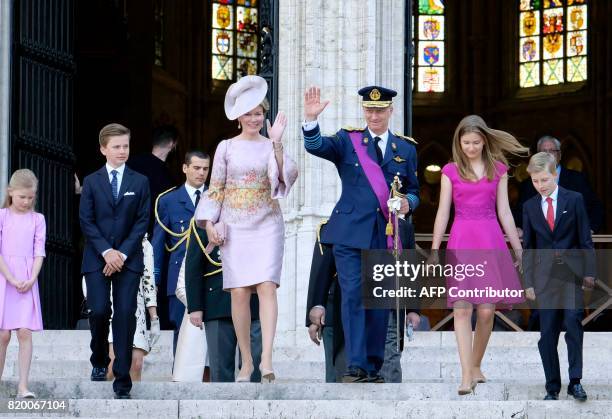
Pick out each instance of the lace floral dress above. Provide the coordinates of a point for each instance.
(244, 189)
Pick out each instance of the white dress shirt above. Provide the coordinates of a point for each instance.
(120, 171)
(191, 192)
(554, 203)
(382, 144)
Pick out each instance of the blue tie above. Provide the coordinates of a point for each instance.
(114, 184)
(379, 154)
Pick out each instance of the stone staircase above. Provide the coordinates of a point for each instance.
(60, 370)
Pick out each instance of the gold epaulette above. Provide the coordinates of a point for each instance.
(350, 128)
(157, 203)
(405, 137)
(321, 224)
(181, 236)
(194, 231)
(185, 236)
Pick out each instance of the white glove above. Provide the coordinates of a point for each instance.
(394, 204)
(154, 332)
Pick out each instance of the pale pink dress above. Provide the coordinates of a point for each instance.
(243, 194)
(22, 237)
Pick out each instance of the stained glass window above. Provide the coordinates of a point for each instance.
(429, 42)
(235, 40)
(552, 42)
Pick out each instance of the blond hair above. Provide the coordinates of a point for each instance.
(496, 145)
(542, 161)
(265, 104)
(21, 179)
(111, 130)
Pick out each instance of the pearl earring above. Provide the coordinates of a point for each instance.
(239, 126)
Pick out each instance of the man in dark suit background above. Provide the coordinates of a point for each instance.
(568, 179)
(153, 164)
(323, 317)
(555, 223)
(114, 214)
(210, 306)
(174, 210)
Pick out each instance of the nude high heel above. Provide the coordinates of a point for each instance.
(267, 376)
(464, 391)
(244, 378)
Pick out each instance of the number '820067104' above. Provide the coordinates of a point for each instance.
(35, 405)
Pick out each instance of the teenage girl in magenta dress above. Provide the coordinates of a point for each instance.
(476, 237)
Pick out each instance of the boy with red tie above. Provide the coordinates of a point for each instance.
(555, 222)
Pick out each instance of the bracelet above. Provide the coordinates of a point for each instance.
(277, 145)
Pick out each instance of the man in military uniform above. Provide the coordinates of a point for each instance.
(367, 161)
(174, 210)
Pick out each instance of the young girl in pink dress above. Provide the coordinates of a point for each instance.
(22, 249)
(477, 184)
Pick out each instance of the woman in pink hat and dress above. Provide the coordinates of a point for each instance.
(241, 213)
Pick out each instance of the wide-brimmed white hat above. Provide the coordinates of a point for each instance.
(244, 95)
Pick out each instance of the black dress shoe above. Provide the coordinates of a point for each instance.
(577, 392)
(375, 377)
(551, 396)
(122, 394)
(98, 374)
(355, 375)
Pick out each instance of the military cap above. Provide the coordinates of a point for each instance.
(376, 96)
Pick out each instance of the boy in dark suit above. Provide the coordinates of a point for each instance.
(555, 222)
(114, 215)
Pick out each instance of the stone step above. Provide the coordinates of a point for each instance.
(414, 390)
(393, 409)
(98, 408)
(314, 353)
(315, 370)
(299, 339)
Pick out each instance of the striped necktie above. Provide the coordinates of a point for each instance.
(114, 184)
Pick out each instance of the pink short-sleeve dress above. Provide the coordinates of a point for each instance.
(22, 238)
(476, 238)
(245, 186)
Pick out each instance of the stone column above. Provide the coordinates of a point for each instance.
(5, 91)
(340, 47)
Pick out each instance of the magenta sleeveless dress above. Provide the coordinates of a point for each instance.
(476, 238)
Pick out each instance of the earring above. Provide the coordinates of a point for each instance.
(239, 126)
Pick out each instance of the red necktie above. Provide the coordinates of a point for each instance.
(550, 214)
